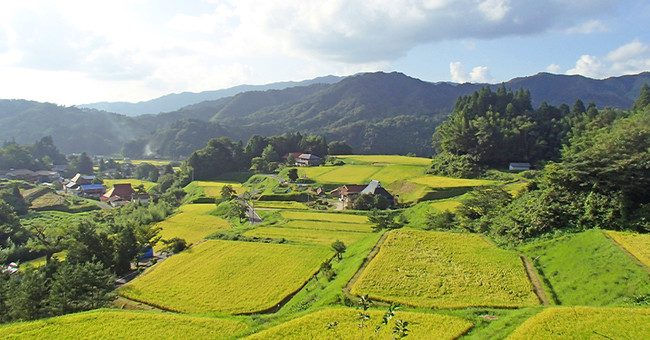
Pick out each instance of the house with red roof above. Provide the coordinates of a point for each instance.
(123, 193)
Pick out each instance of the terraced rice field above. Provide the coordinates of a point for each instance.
(349, 174)
(448, 182)
(307, 236)
(280, 205)
(119, 324)
(227, 276)
(334, 226)
(443, 205)
(313, 326)
(586, 323)
(47, 200)
(213, 188)
(386, 159)
(637, 244)
(324, 217)
(394, 173)
(445, 270)
(588, 269)
(192, 222)
(108, 183)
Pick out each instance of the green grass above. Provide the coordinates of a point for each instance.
(119, 324)
(588, 269)
(227, 276)
(408, 191)
(191, 222)
(586, 323)
(213, 188)
(385, 159)
(444, 270)
(313, 326)
(637, 244)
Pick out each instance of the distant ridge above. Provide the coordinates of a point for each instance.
(175, 101)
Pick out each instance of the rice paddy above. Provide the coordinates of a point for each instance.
(192, 222)
(637, 244)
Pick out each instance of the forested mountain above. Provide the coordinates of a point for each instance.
(373, 112)
(175, 101)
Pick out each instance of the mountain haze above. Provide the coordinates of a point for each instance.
(373, 112)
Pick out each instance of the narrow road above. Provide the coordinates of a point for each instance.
(534, 279)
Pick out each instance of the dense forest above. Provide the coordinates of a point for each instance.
(597, 175)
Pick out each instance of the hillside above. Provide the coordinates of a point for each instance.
(175, 101)
(373, 112)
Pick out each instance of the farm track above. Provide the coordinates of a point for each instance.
(627, 252)
(534, 279)
(364, 264)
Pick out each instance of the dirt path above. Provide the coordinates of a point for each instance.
(364, 264)
(626, 251)
(534, 279)
(487, 241)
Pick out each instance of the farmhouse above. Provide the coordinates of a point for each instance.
(123, 193)
(307, 159)
(91, 190)
(519, 166)
(348, 192)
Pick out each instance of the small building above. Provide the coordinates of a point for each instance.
(123, 193)
(519, 166)
(307, 159)
(22, 174)
(348, 192)
(94, 191)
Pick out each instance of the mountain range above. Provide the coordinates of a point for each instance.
(373, 112)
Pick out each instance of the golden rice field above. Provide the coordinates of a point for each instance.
(140, 161)
(448, 182)
(387, 159)
(120, 324)
(315, 171)
(443, 205)
(407, 191)
(325, 217)
(349, 174)
(307, 236)
(192, 222)
(108, 183)
(280, 205)
(445, 270)
(322, 225)
(637, 244)
(227, 276)
(313, 326)
(48, 199)
(213, 188)
(586, 323)
(393, 173)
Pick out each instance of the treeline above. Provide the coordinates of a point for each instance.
(222, 155)
(40, 155)
(601, 180)
(491, 129)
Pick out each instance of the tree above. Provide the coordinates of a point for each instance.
(292, 174)
(14, 198)
(146, 171)
(48, 238)
(644, 98)
(269, 154)
(339, 247)
(174, 245)
(79, 287)
(238, 210)
(11, 231)
(386, 220)
(339, 148)
(17, 157)
(227, 192)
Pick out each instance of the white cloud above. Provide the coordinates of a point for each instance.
(554, 68)
(630, 58)
(587, 27)
(479, 74)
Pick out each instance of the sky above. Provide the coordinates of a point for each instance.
(76, 52)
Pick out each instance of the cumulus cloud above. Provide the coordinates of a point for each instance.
(630, 58)
(588, 27)
(479, 74)
(554, 68)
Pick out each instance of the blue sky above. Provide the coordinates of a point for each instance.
(74, 52)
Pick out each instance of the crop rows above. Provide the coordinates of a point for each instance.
(227, 276)
(445, 270)
(586, 323)
(118, 324)
(192, 223)
(314, 326)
